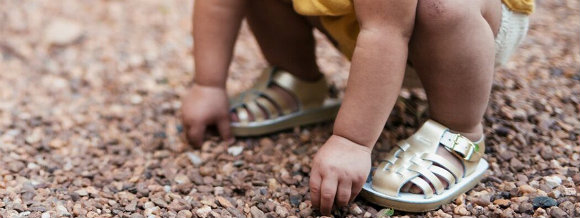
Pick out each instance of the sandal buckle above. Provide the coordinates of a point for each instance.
(468, 152)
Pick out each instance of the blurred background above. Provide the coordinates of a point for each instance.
(89, 120)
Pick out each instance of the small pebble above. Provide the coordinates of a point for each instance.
(282, 211)
(295, 200)
(306, 212)
(517, 165)
(540, 212)
(63, 31)
(181, 179)
(61, 210)
(544, 202)
(461, 210)
(526, 208)
(558, 213)
(131, 207)
(547, 153)
(555, 194)
(508, 213)
(82, 192)
(235, 150)
(553, 181)
(569, 192)
(502, 203)
(526, 189)
(256, 213)
(184, 214)
(203, 211)
(480, 198)
(355, 209)
(367, 215)
(224, 202)
(195, 160)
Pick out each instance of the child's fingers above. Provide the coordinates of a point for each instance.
(327, 194)
(355, 190)
(223, 126)
(195, 134)
(343, 193)
(315, 182)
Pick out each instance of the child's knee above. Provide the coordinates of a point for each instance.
(440, 15)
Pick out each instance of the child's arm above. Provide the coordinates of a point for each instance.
(377, 70)
(215, 27)
(341, 166)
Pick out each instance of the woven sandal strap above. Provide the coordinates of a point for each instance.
(392, 156)
(403, 145)
(443, 173)
(427, 190)
(457, 172)
(255, 110)
(268, 106)
(275, 100)
(248, 95)
(256, 90)
(279, 100)
(308, 94)
(430, 177)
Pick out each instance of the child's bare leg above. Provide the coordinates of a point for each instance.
(453, 51)
(285, 37)
(286, 40)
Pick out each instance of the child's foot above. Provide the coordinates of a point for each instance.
(411, 188)
(280, 100)
(428, 169)
(286, 99)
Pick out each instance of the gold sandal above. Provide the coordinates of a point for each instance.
(271, 112)
(415, 160)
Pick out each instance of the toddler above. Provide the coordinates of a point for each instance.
(453, 45)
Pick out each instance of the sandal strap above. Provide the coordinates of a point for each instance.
(279, 100)
(429, 176)
(427, 190)
(462, 146)
(255, 110)
(446, 164)
(308, 94)
(443, 173)
(261, 84)
(268, 106)
(415, 160)
(259, 99)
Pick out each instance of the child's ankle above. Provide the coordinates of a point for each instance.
(475, 134)
(307, 75)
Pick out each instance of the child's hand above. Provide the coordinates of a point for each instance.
(339, 170)
(204, 106)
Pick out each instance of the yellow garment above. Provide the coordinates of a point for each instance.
(520, 6)
(339, 19)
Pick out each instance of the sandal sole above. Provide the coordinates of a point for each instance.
(416, 202)
(324, 113)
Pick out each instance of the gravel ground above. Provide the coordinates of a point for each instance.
(89, 98)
